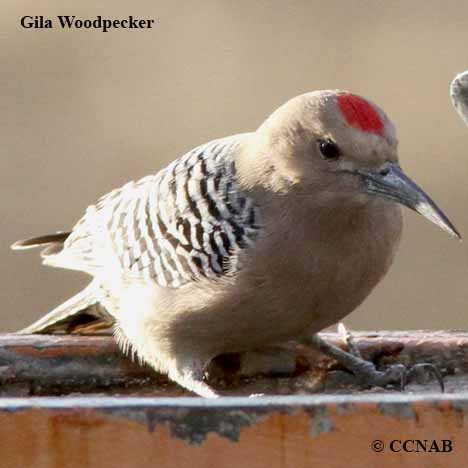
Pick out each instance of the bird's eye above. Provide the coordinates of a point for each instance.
(329, 149)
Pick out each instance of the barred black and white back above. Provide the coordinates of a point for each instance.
(186, 222)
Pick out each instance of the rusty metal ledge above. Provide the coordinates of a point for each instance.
(41, 365)
(262, 432)
(76, 401)
(228, 416)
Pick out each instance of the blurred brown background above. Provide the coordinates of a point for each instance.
(83, 111)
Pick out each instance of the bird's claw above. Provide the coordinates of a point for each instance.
(424, 366)
(396, 374)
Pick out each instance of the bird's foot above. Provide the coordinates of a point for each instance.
(396, 374)
(365, 371)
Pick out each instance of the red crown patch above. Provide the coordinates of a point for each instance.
(360, 114)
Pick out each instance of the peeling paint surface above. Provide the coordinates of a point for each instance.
(190, 424)
(153, 423)
(265, 432)
(320, 421)
(397, 409)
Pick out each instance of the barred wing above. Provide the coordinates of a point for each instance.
(186, 222)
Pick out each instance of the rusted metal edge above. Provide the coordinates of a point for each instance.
(193, 419)
(36, 365)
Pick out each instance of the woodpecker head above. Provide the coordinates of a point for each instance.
(337, 147)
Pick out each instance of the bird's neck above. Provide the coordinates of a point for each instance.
(260, 160)
(336, 227)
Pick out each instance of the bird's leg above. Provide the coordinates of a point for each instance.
(349, 340)
(365, 371)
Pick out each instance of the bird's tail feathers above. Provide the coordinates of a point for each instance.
(68, 314)
(53, 243)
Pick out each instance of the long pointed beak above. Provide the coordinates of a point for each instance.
(392, 183)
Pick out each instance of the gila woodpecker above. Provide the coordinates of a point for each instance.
(247, 241)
